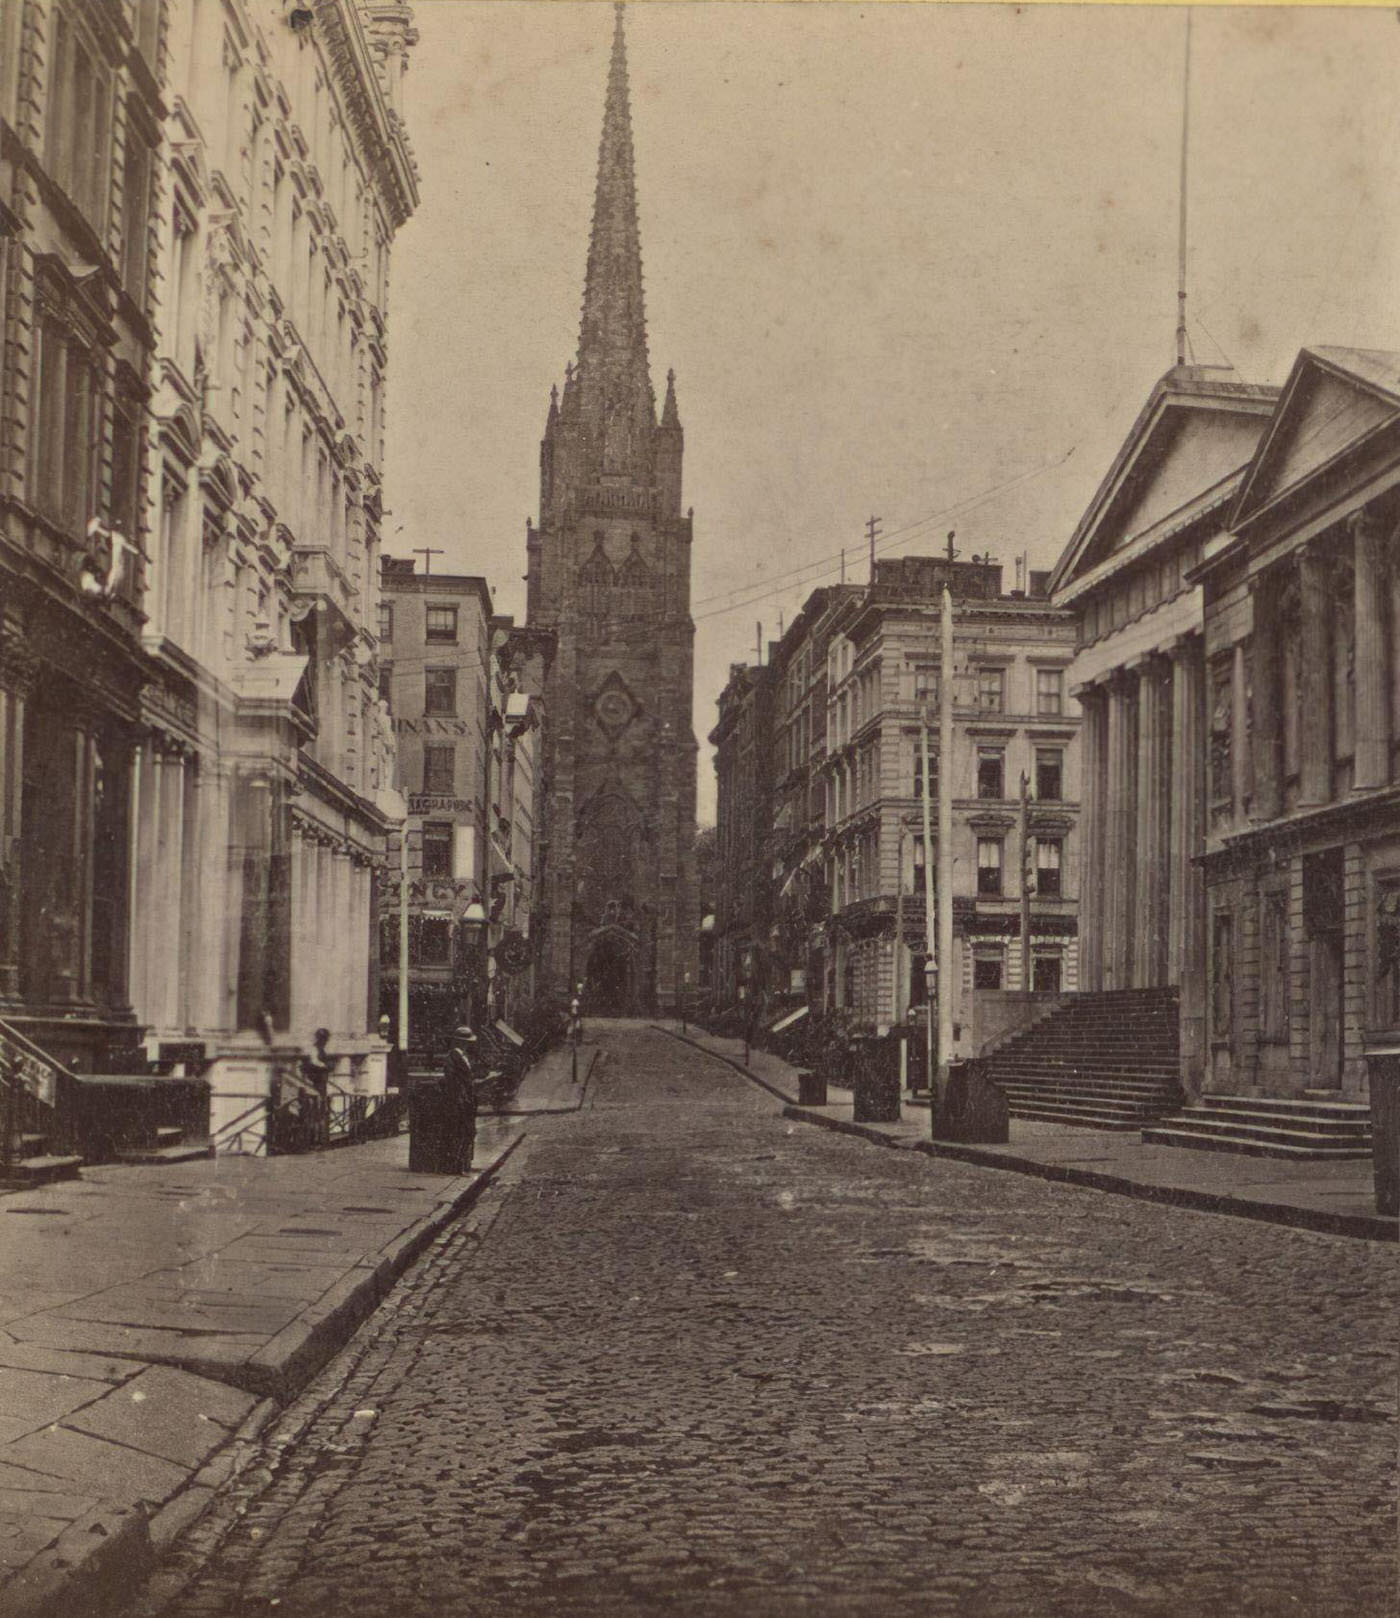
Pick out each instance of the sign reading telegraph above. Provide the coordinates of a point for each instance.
(427, 803)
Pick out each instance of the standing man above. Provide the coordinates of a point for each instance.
(459, 1102)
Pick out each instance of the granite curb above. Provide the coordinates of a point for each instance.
(1374, 1227)
(113, 1546)
(1360, 1226)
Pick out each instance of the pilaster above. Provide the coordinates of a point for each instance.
(1371, 761)
(1315, 677)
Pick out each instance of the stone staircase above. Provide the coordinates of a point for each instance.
(35, 1143)
(1260, 1126)
(1103, 1061)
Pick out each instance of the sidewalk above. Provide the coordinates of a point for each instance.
(153, 1319)
(1336, 1198)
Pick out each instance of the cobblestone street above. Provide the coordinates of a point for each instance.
(688, 1357)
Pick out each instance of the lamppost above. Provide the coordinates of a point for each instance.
(474, 927)
(685, 995)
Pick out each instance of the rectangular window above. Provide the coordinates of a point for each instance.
(77, 137)
(126, 471)
(986, 971)
(386, 682)
(437, 850)
(989, 866)
(386, 620)
(148, 30)
(926, 685)
(434, 941)
(990, 771)
(136, 203)
(919, 771)
(1049, 691)
(63, 463)
(1046, 974)
(440, 769)
(442, 624)
(440, 692)
(991, 690)
(1049, 774)
(1049, 856)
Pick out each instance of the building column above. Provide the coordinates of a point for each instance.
(1119, 832)
(1267, 643)
(1186, 962)
(18, 668)
(1150, 916)
(1315, 676)
(1090, 885)
(1371, 763)
(1241, 773)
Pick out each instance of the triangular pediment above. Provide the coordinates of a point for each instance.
(1196, 431)
(1335, 398)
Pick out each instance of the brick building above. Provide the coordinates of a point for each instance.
(609, 575)
(435, 670)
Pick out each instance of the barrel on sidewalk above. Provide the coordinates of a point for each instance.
(811, 1088)
(875, 1079)
(1383, 1070)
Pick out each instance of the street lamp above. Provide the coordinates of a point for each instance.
(474, 926)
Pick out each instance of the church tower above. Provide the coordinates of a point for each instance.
(609, 574)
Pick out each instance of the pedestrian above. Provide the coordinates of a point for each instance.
(316, 1071)
(459, 1102)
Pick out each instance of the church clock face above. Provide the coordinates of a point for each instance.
(614, 706)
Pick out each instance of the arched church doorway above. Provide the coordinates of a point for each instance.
(611, 978)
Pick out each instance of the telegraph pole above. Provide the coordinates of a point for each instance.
(872, 533)
(945, 846)
(427, 552)
(1027, 877)
(403, 940)
(934, 990)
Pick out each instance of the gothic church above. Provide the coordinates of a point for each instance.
(609, 574)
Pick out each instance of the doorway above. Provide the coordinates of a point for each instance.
(1324, 927)
(610, 983)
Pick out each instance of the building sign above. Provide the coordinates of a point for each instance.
(428, 803)
(432, 727)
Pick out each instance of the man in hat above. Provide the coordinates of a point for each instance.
(459, 1100)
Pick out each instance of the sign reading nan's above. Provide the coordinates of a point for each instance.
(432, 727)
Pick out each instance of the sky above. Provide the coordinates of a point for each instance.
(911, 261)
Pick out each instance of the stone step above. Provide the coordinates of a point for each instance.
(1141, 1110)
(1345, 1111)
(1167, 1133)
(181, 1151)
(1243, 1119)
(1082, 1117)
(27, 1172)
(1156, 1100)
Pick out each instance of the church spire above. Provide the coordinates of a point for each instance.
(615, 395)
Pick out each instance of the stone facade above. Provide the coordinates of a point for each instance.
(1302, 861)
(609, 575)
(745, 761)
(434, 667)
(80, 128)
(1013, 721)
(1140, 676)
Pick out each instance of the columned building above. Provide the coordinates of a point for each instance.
(1140, 675)
(1302, 864)
(263, 794)
(80, 115)
(609, 574)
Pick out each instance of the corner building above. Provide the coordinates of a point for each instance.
(609, 574)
